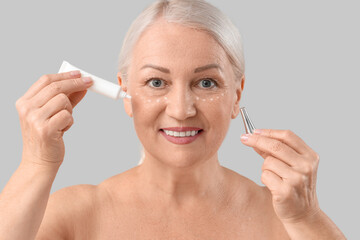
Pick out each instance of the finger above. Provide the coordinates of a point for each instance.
(271, 180)
(286, 136)
(61, 121)
(261, 153)
(67, 87)
(273, 147)
(76, 97)
(48, 79)
(277, 166)
(68, 127)
(55, 105)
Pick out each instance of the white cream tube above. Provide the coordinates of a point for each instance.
(100, 85)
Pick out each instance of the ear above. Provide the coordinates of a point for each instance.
(237, 97)
(127, 102)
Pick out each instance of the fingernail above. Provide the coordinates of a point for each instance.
(87, 79)
(244, 138)
(257, 131)
(75, 73)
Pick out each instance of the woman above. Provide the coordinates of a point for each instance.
(182, 63)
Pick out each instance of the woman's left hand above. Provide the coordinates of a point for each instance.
(289, 171)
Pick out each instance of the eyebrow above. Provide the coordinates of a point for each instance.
(199, 69)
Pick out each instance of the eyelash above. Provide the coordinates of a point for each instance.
(211, 79)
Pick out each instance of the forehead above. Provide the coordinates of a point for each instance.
(167, 43)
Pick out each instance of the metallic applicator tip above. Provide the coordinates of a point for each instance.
(249, 126)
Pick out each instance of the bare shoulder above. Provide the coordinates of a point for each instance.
(73, 212)
(250, 192)
(66, 209)
(257, 206)
(126, 176)
(120, 185)
(255, 194)
(246, 185)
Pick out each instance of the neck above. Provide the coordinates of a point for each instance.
(182, 185)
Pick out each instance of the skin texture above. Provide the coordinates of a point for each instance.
(191, 180)
(183, 177)
(45, 113)
(183, 103)
(179, 191)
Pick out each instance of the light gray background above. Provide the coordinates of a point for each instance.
(302, 73)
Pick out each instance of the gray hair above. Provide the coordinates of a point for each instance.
(196, 14)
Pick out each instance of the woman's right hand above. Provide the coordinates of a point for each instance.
(45, 113)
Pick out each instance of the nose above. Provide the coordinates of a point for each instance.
(180, 104)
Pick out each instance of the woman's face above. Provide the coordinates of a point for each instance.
(181, 83)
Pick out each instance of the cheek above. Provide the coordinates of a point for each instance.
(146, 98)
(217, 110)
(146, 109)
(145, 114)
(219, 104)
(149, 106)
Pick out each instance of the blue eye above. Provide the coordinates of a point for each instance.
(155, 83)
(207, 83)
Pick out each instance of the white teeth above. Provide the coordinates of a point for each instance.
(181, 134)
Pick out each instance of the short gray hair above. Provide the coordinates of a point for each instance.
(197, 14)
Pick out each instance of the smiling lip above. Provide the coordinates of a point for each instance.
(182, 129)
(181, 140)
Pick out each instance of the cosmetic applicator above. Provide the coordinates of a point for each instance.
(249, 126)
